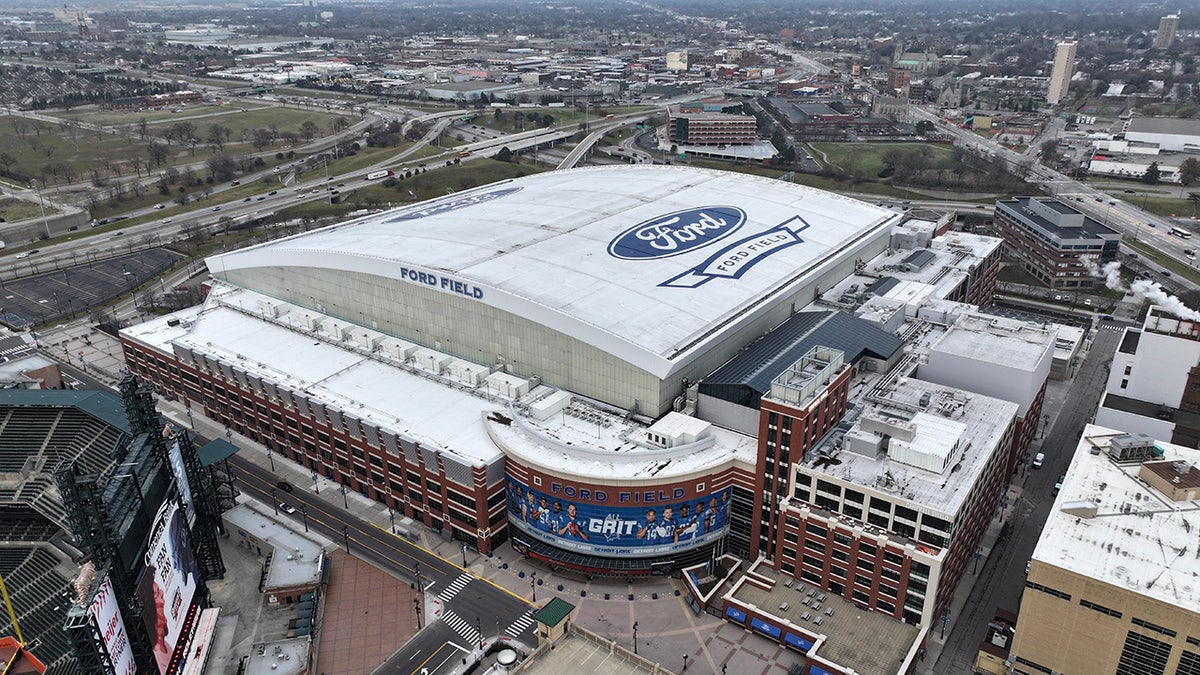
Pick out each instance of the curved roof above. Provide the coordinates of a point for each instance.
(644, 262)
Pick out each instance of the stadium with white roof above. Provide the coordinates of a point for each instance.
(611, 283)
(518, 354)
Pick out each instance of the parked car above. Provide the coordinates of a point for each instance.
(284, 485)
(1038, 460)
(286, 508)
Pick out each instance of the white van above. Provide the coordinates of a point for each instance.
(1038, 459)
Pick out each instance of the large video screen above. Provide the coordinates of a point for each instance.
(169, 583)
(181, 479)
(660, 528)
(104, 611)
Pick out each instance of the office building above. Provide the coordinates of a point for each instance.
(1112, 583)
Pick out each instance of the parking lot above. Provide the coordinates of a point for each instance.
(37, 299)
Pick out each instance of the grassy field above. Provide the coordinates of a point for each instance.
(13, 209)
(242, 122)
(811, 180)
(129, 118)
(867, 158)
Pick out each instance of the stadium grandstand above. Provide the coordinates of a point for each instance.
(38, 429)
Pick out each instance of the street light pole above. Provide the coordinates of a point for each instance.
(635, 625)
(479, 629)
(392, 517)
(304, 515)
(271, 460)
(533, 585)
(316, 488)
(41, 205)
(346, 537)
(417, 610)
(345, 502)
(464, 554)
(274, 501)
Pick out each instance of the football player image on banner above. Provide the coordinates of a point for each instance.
(169, 583)
(605, 530)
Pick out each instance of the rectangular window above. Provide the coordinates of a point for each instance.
(830, 488)
(877, 519)
(1143, 655)
(842, 539)
(841, 555)
(1154, 627)
(791, 537)
(864, 564)
(854, 496)
(1189, 663)
(813, 562)
(839, 572)
(1099, 608)
(1036, 666)
(865, 582)
(865, 548)
(1048, 591)
(816, 529)
(814, 546)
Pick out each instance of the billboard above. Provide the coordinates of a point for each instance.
(175, 455)
(107, 617)
(661, 528)
(169, 583)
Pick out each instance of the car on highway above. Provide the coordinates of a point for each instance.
(216, 208)
(166, 220)
(273, 192)
(160, 206)
(1190, 254)
(286, 508)
(1151, 225)
(259, 198)
(24, 254)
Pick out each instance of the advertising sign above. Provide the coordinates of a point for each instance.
(659, 528)
(105, 614)
(169, 583)
(181, 480)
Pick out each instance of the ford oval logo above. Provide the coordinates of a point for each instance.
(677, 233)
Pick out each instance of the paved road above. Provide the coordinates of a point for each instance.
(1002, 578)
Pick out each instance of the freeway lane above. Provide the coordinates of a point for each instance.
(464, 605)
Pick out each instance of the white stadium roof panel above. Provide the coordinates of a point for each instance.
(643, 262)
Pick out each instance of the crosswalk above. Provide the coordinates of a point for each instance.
(521, 625)
(461, 626)
(455, 586)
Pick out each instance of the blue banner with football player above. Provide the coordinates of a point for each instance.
(627, 531)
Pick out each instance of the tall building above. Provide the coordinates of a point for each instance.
(1061, 71)
(1167, 27)
(1154, 384)
(1112, 583)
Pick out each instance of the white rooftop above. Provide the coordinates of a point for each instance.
(995, 339)
(441, 411)
(296, 560)
(368, 386)
(959, 429)
(1139, 539)
(632, 259)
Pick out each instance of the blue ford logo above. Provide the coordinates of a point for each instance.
(677, 233)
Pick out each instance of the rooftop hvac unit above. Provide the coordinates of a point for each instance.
(1132, 448)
